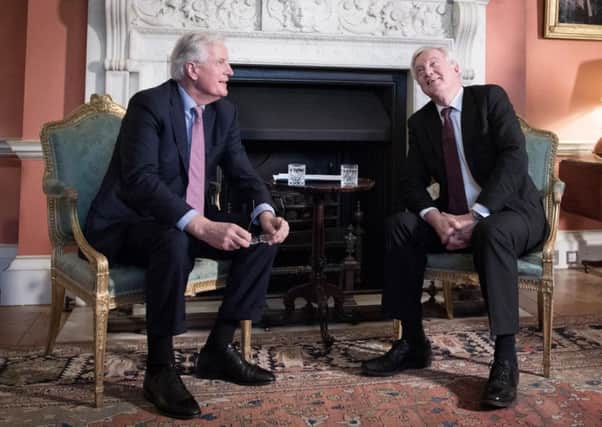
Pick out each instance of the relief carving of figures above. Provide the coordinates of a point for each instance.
(196, 14)
(300, 15)
(407, 18)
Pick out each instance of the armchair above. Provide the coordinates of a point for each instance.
(77, 151)
(536, 269)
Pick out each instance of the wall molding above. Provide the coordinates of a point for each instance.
(26, 148)
(5, 149)
(569, 148)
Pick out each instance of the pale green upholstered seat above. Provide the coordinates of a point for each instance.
(536, 270)
(77, 151)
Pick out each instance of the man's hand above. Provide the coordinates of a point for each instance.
(275, 228)
(443, 224)
(221, 235)
(462, 234)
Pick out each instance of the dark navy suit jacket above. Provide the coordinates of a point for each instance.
(148, 173)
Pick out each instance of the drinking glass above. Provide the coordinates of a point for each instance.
(296, 174)
(349, 174)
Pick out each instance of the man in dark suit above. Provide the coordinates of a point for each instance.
(469, 141)
(151, 211)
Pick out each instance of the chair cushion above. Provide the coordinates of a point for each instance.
(128, 280)
(529, 265)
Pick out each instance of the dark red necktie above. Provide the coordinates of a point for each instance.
(456, 196)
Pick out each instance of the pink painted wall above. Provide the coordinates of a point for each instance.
(49, 79)
(12, 50)
(506, 65)
(10, 178)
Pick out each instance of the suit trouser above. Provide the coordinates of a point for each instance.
(497, 242)
(168, 256)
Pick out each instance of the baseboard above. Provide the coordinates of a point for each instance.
(573, 246)
(26, 281)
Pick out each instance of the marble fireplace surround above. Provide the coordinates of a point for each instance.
(129, 41)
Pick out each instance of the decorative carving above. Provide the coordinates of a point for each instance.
(196, 14)
(466, 25)
(395, 17)
(300, 15)
(351, 33)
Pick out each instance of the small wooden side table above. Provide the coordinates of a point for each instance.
(318, 290)
(583, 193)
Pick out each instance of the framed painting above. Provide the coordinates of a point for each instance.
(573, 19)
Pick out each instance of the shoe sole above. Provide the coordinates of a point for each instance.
(218, 376)
(496, 404)
(405, 367)
(149, 397)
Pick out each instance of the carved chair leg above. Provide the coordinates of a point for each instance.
(245, 338)
(548, 313)
(101, 315)
(58, 296)
(540, 315)
(397, 328)
(448, 298)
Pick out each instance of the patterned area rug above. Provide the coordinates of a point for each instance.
(316, 388)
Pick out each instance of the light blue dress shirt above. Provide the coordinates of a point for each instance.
(188, 105)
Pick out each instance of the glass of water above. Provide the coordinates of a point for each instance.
(296, 174)
(349, 174)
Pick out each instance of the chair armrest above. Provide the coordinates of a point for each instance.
(57, 190)
(558, 189)
(553, 204)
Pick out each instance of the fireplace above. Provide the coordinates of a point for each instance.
(325, 117)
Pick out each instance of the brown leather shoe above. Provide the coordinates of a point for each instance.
(167, 392)
(400, 357)
(229, 365)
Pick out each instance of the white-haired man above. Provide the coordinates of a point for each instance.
(469, 140)
(151, 211)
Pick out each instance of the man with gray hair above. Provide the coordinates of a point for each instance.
(468, 140)
(151, 211)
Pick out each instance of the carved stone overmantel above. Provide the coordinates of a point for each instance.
(129, 41)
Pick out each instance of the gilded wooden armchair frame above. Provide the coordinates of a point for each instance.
(542, 284)
(67, 238)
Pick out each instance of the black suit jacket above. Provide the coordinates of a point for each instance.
(494, 146)
(148, 173)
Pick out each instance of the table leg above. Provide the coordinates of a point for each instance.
(587, 264)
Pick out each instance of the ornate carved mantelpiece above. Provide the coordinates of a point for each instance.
(129, 41)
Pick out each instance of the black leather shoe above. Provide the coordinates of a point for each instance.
(500, 391)
(167, 392)
(401, 356)
(229, 365)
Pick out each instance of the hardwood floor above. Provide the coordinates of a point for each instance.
(576, 293)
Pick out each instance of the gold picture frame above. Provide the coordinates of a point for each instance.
(573, 19)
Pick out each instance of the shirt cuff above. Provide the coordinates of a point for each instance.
(183, 222)
(424, 211)
(481, 210)
(262, 207)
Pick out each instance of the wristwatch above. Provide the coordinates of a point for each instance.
(477, 216)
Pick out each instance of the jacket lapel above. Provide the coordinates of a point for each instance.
(179, 125)
(209, 127)
(433, 129)
(469, 126)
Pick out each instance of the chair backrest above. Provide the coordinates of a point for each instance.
(541, 149)
(77, 151)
